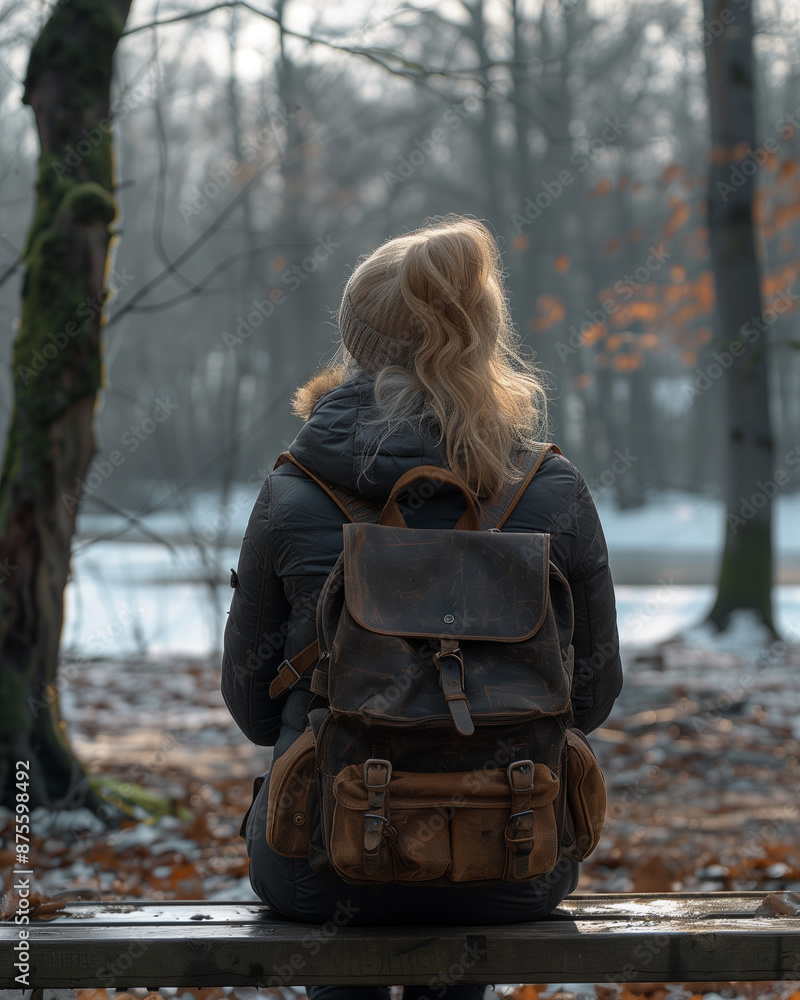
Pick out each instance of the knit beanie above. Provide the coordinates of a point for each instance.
(371, 348)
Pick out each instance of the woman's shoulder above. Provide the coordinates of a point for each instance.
(556, 483)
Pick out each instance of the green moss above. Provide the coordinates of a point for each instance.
(88, 203)
(64, 47)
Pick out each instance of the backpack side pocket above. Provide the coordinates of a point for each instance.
(586, 794)
(287, 805)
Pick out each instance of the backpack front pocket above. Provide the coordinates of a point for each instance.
(287, 804)
(454, 826)
(586, 794)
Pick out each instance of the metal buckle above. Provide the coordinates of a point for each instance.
(456, 655)
(525, 812)
(509, 774)
(287, 664)
(383, 819)
(384, 763)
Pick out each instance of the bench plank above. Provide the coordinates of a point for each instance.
(594, 938)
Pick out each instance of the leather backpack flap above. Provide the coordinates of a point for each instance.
(482, 596)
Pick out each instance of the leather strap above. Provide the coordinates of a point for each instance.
(519, 832)
(377, 775)
(450, 664)
(292, 670)
(354, 507)
(495, 512)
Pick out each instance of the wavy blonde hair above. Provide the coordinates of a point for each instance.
(427, 314)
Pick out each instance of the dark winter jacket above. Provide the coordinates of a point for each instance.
(295, 535)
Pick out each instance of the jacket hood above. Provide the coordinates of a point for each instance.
(333, 443)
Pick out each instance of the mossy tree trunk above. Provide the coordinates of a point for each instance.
(57, 374)
(745, 578)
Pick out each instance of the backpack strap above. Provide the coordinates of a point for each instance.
(495, 513)
(354, 508)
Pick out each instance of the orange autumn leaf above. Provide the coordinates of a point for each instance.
(739, 152)
(679, 218)
(671, 172)
(677, 273)
(627, 362)
(612, 245)
(624, 181)
(521, 242)
(788, 168)
(649, 342)
(689, 358)
(770, 160)
(584, 381)
(96, 994)
(278, 263)
(601, 188)
(561, 263)
(530, 991)
(704, 334)
(594, 333)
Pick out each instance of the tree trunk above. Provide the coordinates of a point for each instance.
(57, 373)
(745, 578)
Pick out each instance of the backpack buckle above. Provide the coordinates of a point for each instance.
(515, 775)
(457, 655)
(381, 765)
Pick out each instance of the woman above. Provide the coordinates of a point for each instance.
(429, 373)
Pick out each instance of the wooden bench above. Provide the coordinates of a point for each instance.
(674, 937)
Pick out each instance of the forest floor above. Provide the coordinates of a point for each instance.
(701, 757)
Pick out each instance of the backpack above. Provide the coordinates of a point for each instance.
(440, 748)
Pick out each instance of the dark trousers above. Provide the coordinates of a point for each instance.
(292, 888)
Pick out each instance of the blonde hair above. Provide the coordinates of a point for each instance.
(426, 314)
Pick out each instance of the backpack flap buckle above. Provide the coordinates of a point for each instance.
(450, 664)
(377, 775)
